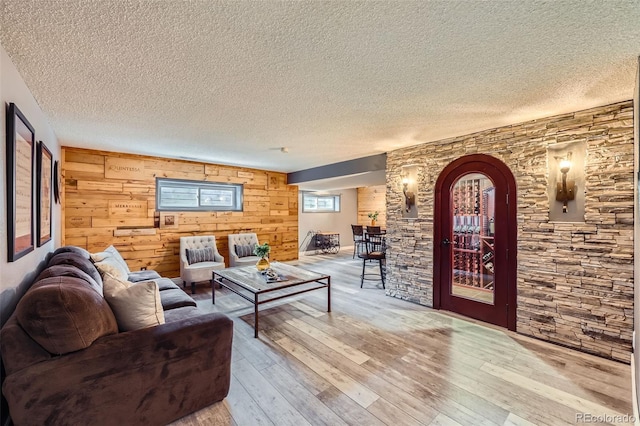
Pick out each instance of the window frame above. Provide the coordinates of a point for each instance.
(238, 195)
(336, 197)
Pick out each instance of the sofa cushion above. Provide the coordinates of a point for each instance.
(113, 252)
(146, 275)
(244, 250)
(72, 249)
(166, 284)
(136, 305)
(200, 255)
(18, 349)
(99, 256)
(112, 284)
(69, 271)
(175, 298)
(64, 314)
(117, 256)
(75, 259)
(177, 314)
(112, 267)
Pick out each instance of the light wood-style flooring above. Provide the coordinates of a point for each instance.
(477, 294)
(376, 360)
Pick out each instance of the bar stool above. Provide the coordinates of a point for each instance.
(375, 250)
(373, 230)
(358, 238)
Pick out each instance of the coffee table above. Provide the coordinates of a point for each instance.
(248, 283)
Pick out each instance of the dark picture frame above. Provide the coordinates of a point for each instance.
(57, 181)
(44, 194)
(20, 184)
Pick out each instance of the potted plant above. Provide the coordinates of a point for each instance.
(262, 251)
(373, 216)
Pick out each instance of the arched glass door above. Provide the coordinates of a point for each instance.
(475, 240)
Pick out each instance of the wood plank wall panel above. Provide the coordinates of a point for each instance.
(371, 199)
(108, 193)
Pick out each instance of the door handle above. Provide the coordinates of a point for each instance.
(447, 242)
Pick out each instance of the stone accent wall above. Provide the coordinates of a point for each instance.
(575, 280)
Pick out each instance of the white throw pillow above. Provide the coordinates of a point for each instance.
(111, 266)
(99, 257)
(117, 256)
(112, 252)
(135, 305)
(112, 285)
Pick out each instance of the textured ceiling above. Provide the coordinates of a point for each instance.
(233, 81)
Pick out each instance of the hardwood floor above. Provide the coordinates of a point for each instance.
(376, 360)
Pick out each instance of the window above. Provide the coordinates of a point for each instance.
(193, 195)
(320, 203)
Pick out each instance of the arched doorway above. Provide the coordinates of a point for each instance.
(475, 237)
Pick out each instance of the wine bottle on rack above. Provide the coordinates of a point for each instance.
(476, 196)
(456, 200)
(467, 235)
(489, 266)
(492, 227)
(456, 224)
(463, 227)
(476, 270)
(487, 260)
(476, 232)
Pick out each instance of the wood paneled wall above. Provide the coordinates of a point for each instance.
(371, 199)
(109, 198)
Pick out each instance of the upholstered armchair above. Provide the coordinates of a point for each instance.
(199, 257)
(241, 249)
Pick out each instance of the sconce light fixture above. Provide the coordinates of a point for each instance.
(409, 197)
(565, 190)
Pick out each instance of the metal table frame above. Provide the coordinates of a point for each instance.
(328, 242)
(228, 283)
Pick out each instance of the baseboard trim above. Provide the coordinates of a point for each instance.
(634, 394)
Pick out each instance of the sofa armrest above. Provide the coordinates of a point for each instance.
(149, 376)
(218, 257)
(232, 254)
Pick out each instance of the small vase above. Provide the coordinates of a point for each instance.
(262, 264)
(373, 222)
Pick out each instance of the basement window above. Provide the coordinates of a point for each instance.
(320, 203)
(194, 195)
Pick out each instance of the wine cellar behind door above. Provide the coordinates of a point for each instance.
(473, 243)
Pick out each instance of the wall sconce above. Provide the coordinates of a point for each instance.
(566, 164)
(409, 197)
(565, 190)
(409, 178)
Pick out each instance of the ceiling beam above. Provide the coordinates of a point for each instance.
(344, 168)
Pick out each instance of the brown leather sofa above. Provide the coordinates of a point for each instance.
(66, 362)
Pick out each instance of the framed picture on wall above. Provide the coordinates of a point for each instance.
(20, 184)
(169, 220)
(44, 202)
(57, 182)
